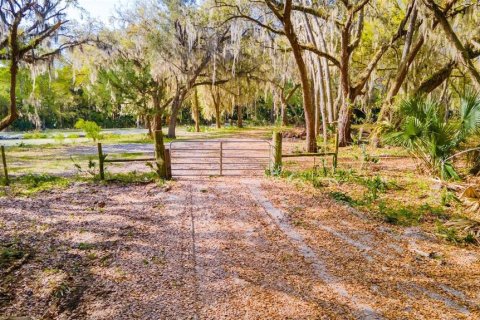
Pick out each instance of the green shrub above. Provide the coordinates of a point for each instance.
(91, 129)
(426, 133)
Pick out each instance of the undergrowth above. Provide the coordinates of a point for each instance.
(31, 184)
(383, 199)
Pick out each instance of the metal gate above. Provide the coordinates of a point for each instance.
(219, 157)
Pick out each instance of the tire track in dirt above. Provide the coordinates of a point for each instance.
(389, 269)
(332, 282)
(244, 265)
(371, 253)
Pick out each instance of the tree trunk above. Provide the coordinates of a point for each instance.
(344, 126)
(173, 118)
(148, 125)
(12, 110)
(435, 80)
(307, 97)
(283, 111)
(157, 117)
(196, 112)
(217, 116)
(240, 116)
(305, 82)
(216, 102)
(332, 113)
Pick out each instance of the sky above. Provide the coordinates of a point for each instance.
(101, 9)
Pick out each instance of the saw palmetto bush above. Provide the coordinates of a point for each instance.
(432, 139)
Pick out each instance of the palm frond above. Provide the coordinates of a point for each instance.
(425, 132)
(470, 113)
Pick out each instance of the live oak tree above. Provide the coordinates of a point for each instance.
(185, 45)
(32, 32)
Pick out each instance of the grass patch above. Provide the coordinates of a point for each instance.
(129, 138)
(460, 231)
(400, 216)
(85, 246)
(342, 198)
(133, 177)
(34, 183)
(9, 254)
(35, 135)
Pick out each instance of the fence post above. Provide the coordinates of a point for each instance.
(335, 156)
(277, 152)
(101, 163)
(160, 154)
(5, 170)
(221, 158)
(168, 164)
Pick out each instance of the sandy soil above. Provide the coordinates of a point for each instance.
(223, 248)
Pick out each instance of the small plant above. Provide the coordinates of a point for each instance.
(62, 290)
(367, 158)
(448, 197)
(9, 254)
(33, 183)
(85, 246)
(91, 166)
(342, 197)
(91, 129)
(157, 168)
(59, 138)
(375, 186)
(461, 231)
(343, 176)
(273, 172)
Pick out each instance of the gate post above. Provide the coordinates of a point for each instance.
(221, 158)
(168, 162)
(5, 170)
(101, 159)
(335, 156)
(277, 153)
(160, 154)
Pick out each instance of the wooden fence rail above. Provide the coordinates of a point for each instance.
(162, 158)
(278, 156)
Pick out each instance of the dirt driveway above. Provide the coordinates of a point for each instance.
(223, 248)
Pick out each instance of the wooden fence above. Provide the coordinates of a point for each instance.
(278, 155)
(162, 159)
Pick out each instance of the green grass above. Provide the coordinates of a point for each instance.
(9, 254)
(35, 135)
(454, 235)
(342, 198)
(85, 246)
(31, 184)
(133, 177)
(400, 216)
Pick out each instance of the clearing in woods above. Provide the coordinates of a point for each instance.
(225, 248)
